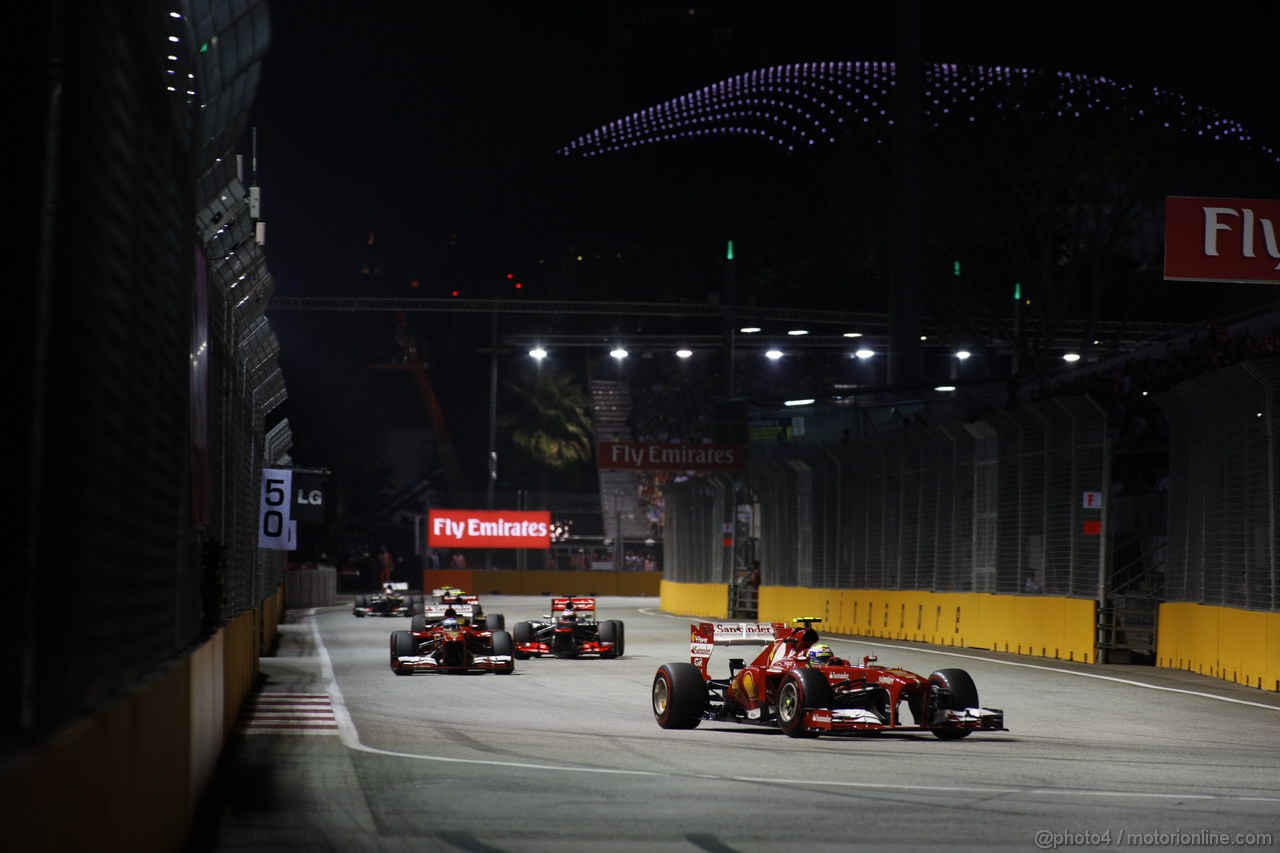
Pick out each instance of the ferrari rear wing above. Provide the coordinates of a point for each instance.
(705, 636)
(436, 612)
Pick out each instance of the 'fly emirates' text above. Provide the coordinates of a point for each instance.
(475, 527)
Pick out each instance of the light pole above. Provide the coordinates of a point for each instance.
(493, 350)
(617, 529)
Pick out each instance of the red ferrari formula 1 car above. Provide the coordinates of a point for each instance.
(569, 631)
(453, 645)
(797, 684)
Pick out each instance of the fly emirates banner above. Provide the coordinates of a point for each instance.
(660, 456)
(493, 528)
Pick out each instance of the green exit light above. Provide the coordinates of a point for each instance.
(728, 252)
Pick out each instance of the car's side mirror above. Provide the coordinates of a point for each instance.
(736, 664)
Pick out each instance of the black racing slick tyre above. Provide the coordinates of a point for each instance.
(495, 622)
(361, 601)
(957, 691)
(502, 645)
(403, 644)
(610, 633)
(522, 633)
(801, 690)
(419, 624)
(679, 696)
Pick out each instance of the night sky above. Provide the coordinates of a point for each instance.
(436, 124)
(434, 127)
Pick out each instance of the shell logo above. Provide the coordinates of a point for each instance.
(748, 684)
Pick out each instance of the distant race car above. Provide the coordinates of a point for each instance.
(569, 630)
(445, 602)
(393, 600)
(453, 645)
(797, 684)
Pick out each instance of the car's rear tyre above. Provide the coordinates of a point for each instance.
(419, 624)
(959, 692)
(801, 690)
(679, 696)
(503, 645)
(403, 644)
(361, 601)
(495, 622)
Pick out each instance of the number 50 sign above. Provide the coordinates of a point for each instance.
(277, 528)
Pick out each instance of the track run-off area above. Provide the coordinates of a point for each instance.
(334, 751)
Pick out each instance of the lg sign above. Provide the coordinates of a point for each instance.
(1222, 239)
(477, 528)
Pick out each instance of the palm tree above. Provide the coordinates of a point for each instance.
(548, 425)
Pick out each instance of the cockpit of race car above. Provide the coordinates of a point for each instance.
(465, 606)
(807, 693)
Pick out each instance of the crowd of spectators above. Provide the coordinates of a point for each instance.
(676, 407)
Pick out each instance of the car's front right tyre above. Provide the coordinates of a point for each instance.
(403, 644)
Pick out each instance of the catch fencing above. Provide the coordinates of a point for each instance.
(1011, 503)
(152, 367)
(1224, 481)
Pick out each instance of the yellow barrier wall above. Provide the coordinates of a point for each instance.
(131, 777)
(272, 613)
(546, 583)
(1236, 645)
(707, 600)
(1043, 626)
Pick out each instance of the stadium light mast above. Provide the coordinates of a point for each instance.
(730, 318)
(906, 267)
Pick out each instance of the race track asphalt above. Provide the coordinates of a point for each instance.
(335, 752)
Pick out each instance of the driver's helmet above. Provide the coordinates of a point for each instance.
(450, 623)
(821, 653)
(568, 610)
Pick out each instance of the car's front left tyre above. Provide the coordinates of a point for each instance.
(956, 691)
(801, 690)
(611, 633)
